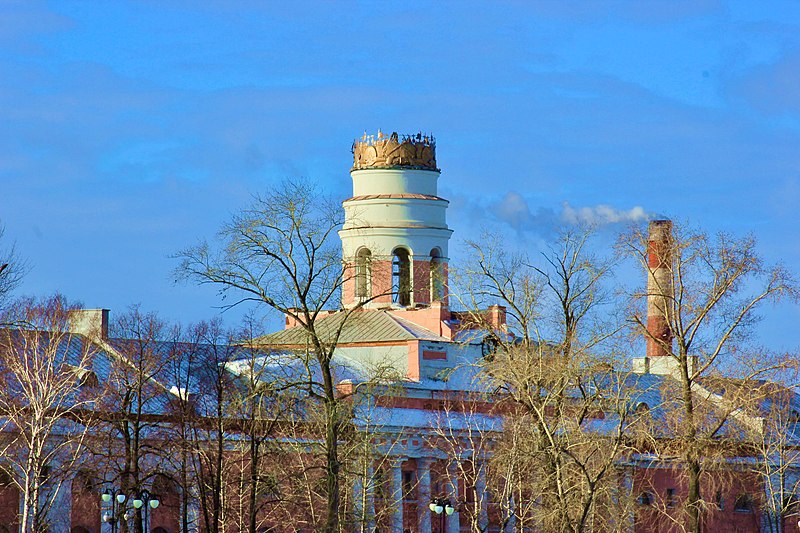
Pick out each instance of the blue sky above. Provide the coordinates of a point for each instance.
(133, 129)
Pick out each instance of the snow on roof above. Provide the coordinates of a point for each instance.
(406, 418)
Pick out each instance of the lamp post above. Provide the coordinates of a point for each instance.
(117, 499)
(144, 502)
(443, 508)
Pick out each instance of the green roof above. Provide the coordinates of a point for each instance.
(363, 326)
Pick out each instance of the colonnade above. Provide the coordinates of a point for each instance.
(396, 496)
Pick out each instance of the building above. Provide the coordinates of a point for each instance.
(412, 368)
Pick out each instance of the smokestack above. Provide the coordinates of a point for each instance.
(659, 288)
(91, 323)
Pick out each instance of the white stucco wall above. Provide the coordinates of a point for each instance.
(394, 181)
(371, 357)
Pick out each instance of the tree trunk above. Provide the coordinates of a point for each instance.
(691, 458)
(253, 482)
(693, 503)
(332, 466)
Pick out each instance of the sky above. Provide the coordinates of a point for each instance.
(131, 130)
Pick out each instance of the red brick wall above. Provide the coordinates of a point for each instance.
(168, 513)
(381, 282)
(421, 274)
(9, 506)
(85, 511)
(657, 518)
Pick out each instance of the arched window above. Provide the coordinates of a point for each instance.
(163, 485)
(363, 273)
(401, 277)
(85, 503)
(84, 481)
(437, 276)
(743, 504)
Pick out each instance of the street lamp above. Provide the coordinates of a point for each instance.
(442, 507)
(117, 500)
(146, 501)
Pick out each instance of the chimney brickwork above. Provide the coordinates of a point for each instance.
(659, 288)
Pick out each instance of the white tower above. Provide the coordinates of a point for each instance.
(395, 235)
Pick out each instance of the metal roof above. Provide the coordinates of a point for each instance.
(362, 326)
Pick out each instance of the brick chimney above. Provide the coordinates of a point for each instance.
(91, 323)
(496, 317)
(659, 287)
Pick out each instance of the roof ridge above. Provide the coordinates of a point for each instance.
(404, 323)
(397, 320)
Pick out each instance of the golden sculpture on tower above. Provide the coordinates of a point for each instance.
(393, 151)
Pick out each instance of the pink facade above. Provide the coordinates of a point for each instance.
(380, 283)
(735, 495)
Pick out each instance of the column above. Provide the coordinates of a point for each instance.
(364, 499)
(453, 521)
(193, 512)
(481, 495)
(369, 498)
(424, 493)
(358, 503)
(58, 515)
(624, 504)
(511, 517)
(397, 494)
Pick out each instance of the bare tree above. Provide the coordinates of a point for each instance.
(364, 456)
(12, 269)
(466, 432)
(568, 407)
(204, 421)
(193, 359)
(47, 385)
(704, 295)
(263, 403)
(777, 457)
(282, 252)
(134, 402)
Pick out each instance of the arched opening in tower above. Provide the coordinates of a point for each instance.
(437, 276)
(401, 277)
(363, 273)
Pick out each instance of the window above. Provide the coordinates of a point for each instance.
(84, 481)
(489, 346)
(401, 277)
(379, 479)
(363, 273)
(437, 276)
(645, 498)
(408, 485)
(670, 498)
(719, 500)
(44, 473)
(743, 504)
(267, 487)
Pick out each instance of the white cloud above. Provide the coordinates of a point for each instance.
(602, 214)
(514, 210)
